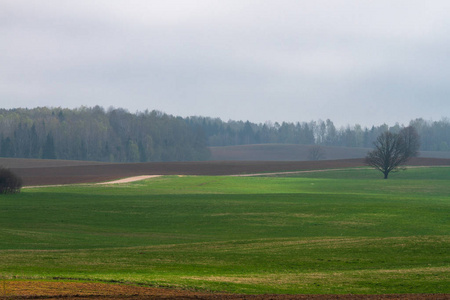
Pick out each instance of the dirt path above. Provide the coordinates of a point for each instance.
(123, 180)
(130, 179)
(283, 173)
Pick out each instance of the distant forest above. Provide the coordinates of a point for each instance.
(116, 135)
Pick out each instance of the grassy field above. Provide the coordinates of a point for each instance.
(331, 232)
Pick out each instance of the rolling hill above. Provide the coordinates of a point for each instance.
(51, 172)
(294, 152)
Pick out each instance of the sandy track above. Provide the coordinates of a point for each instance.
(285, 173)
(130, 179)
(123, 180)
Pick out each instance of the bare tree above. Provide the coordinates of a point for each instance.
(393, 150)
(316, 153)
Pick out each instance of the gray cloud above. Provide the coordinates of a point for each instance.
(364, 62)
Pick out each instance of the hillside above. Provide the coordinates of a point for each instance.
(18, 163)
(331, 234)
(48, 172)
(282, 152)
(290, 152)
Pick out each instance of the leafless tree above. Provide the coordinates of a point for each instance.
(393, 150)
(316, 153)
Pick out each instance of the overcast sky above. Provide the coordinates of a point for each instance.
(354, 62)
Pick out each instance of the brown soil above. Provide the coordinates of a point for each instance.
(283, 152)
(82, 290)
(295, 152)
(36, 175)
(14, 163)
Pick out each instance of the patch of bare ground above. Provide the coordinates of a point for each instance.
(296, 152)
(15, 163)
(129, 179)
(106, 172)
(282, 152)
(90, 290)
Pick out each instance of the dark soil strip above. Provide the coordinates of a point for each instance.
(105, 172)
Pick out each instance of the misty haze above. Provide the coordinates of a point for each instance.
(224, 149)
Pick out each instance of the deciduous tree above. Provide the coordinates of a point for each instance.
(10, 183)
(392, 150)
(316, 152)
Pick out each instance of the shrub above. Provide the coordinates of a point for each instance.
(10, 183)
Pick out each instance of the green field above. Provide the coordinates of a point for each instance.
(323, 232)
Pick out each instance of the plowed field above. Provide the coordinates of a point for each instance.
(40, 174)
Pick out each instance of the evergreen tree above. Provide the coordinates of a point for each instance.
(48, 150)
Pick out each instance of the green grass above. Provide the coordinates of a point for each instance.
(323, 232)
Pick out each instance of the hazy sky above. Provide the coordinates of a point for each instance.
(366, 62)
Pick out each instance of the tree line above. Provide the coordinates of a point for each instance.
(116, 135)
(435, 135)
